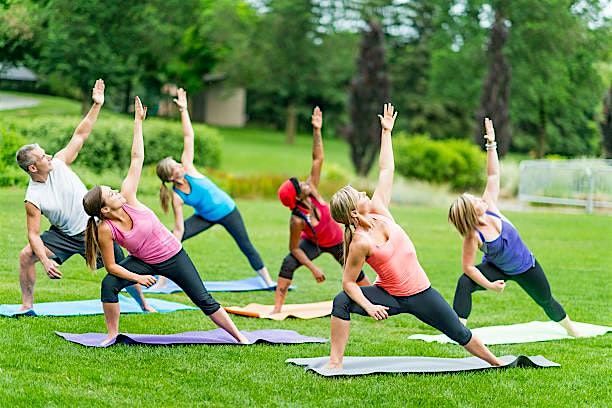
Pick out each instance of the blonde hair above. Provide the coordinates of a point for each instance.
(164, 172)
(92, 203)
(342, 203)
(462, 215)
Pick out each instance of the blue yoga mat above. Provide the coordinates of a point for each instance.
(244, 285)
(90, 307)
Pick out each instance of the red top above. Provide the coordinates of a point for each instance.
(329, 232)
(396, 264)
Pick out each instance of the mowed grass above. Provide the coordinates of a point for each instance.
(37, 368)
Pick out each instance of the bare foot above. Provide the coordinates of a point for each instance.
(25, 308)
(333, 365)
(576, 333)
(243, 340)
(108, 340)
(276, 310)
(149, 309)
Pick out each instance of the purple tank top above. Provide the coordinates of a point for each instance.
(508, 251)
(148, 240)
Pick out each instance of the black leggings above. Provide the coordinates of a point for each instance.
(179, 268)
(312, 251)
(533, 281)
(234, 224)
(428, 306)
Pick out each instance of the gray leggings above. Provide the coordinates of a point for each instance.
(428, 306)
(179, 268)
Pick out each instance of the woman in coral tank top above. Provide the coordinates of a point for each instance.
(153, 249)
(371, 235)
(312, 230)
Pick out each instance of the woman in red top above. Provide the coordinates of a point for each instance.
(312, 230)
(371, 235)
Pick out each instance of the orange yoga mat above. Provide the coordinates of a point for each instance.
(301, 311)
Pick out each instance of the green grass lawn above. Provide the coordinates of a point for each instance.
(37, 368)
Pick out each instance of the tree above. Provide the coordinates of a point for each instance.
(495, 98)
(125, 43)
(606, 125)
(283, 63)
(369, 91)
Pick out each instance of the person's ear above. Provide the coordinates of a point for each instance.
(32, 168)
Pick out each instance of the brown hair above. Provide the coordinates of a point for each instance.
(164, 172)
(462, 215)
(342, 203)
(92, 203)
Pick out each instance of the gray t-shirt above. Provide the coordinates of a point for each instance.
(60, 198)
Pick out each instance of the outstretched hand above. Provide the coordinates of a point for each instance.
(97, 93)
(181, 99)
(317, 118)
(140, 112)
(489, 130)
(387, 119)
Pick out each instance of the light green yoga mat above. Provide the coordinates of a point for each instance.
(521, 333)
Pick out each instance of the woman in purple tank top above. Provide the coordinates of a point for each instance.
(505, 257)
(153, 249)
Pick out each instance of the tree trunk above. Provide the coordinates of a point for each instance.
(495, 99)
(291, 125)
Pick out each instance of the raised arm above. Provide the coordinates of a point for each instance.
(130, 184)
(491, 192)
(69, 153)
(382, 194)
(188, 135)
(317, 147)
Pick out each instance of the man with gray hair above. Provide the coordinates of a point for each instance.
(56, 192)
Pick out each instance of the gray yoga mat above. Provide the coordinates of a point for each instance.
(217, 336)
(415, 365)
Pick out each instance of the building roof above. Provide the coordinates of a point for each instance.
(16, 73)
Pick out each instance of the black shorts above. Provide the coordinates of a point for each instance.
(64, 246)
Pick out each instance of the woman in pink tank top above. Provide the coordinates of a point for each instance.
(312, 230)
(371, 235)
(153, 249)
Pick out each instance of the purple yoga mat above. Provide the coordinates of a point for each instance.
(217, 336)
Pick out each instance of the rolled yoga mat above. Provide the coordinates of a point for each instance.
(217, 336)
(243, 285)
(90, 307)
(301, 311)
(415, 365)
(521, 333)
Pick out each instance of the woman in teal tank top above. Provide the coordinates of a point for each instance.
(211, 204)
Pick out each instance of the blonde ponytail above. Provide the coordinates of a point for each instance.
(165, 196)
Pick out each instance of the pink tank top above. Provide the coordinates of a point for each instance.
(148, 240)
(396, 264)
(328, 232)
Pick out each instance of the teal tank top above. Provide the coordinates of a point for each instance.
(208, 200)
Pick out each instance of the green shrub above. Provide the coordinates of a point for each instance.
(10, 173)
(456, 162)
(109, 144)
